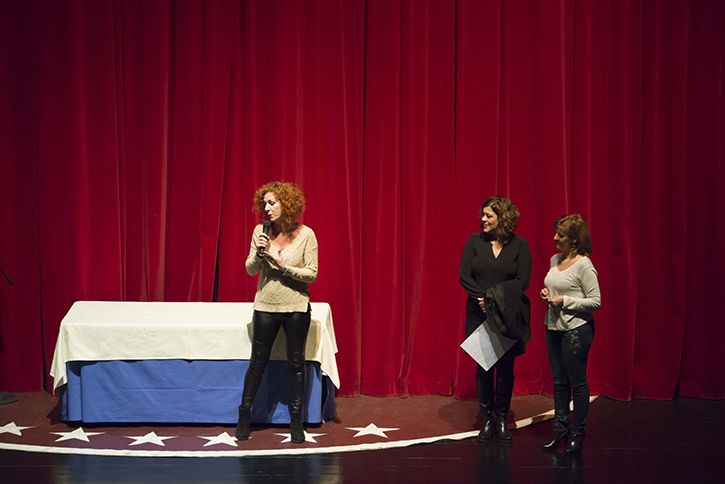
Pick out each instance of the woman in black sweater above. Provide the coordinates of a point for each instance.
(497, 256)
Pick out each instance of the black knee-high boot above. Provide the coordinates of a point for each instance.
(242, 432)
(297, 392)
(485, 401)
(296, 330)
(251, 384)
(504, 390)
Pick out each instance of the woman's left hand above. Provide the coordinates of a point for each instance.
(277, 260)
(555, 300)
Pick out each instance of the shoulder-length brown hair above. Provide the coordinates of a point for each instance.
(506, 212)
(289, 195)
(574, 227)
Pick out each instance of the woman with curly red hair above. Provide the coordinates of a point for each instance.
(495, 272)
(286, 259)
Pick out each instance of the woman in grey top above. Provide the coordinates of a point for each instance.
(572, 293)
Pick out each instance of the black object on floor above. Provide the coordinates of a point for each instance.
(6, 398)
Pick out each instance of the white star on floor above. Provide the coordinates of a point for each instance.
(308, 437)
(149, 438)
(222, 438)
(371, 429)
(78, 434)
(13, 429)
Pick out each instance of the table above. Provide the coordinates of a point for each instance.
(181, 362)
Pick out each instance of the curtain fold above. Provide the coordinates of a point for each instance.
(663, 198)
(77, 160)
(427, 174)
(143, 92)
(133, 135)
(21, 335)
(701, 374)
(607, 148)
(382, 239)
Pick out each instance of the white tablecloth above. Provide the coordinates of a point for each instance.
(102, 331)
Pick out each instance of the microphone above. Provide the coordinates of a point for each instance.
(265, 230)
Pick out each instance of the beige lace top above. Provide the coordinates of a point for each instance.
(288, 292)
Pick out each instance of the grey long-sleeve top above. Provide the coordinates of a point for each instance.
(579, 286)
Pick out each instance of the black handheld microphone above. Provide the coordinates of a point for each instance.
(265, 230)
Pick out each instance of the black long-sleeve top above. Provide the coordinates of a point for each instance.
(480, 270)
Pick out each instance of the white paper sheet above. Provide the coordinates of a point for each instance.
(486, 345)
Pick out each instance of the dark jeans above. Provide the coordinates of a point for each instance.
(265, 327)
(568, 352)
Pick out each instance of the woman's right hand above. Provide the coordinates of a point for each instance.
(262, 241)
(544, 294)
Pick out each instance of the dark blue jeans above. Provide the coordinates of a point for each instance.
(568, 352)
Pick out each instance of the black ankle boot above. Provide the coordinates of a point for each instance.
(486, 429)
(556, 437)
(574, 444)
(242, 432)
(297, 431)
(502, 429)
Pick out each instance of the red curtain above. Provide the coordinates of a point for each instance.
(133, 135)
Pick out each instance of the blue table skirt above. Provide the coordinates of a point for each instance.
(186, 391)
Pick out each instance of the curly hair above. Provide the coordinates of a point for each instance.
(506, 212)
(289, 195)
(574, 227)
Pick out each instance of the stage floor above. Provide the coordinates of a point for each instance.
(638, 441)
(362, 423)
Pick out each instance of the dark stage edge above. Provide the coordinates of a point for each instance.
(641, 441)
(362, 423)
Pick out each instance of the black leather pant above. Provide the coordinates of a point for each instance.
(265, 327)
